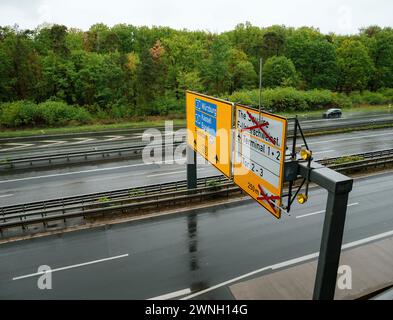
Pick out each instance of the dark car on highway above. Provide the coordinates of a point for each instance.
(332, 113)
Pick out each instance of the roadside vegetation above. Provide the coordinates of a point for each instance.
(348, 159)
(128, 76)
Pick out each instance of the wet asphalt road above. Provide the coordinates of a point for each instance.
(23, 187)
(190, 251)
(21, 147)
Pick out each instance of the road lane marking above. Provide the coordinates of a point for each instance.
(113, 138)
(70, 267)
(290, 262)
(6, 195)
(89, 171)
(18, 146)
(172, 295)
(322, 211)
(166, 173)
(82, 140)
(51, 143)
(345, 119)
(352, 138)
(323, 151)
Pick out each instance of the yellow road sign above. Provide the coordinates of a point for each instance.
(209, 124)
(260, 145)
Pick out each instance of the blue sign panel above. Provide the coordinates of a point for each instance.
(206, 116)
(207, 108)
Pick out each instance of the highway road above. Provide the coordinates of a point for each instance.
(23, 187)
(176, 255)
(18, 147)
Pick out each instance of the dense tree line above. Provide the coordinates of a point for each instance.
(127, 70)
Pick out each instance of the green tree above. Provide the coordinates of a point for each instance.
(355, 66)
(58, 78)
(6, 80)
(279, 71)
(380, 45)
(273, 42)
(57, 35)
(314, 58)
(190, 81)
(182, 56)
(21, 65)
(215, 69)
(243, 75)
(249, 39)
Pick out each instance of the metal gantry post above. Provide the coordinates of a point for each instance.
(191, 168)
(329, 254)
(338, 187)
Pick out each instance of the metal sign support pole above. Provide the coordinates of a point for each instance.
(338, 187)
(191, 168)
(329, 254)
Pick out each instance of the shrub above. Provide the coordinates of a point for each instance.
(284, 99)
(19, 113)
(121, 111)
(165, 105)
(279, 72)
(50, 113)
(290, 99)
(367, 97)
(387, 93)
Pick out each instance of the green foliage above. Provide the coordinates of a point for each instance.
(50, 113)
(314, 58)
(355, 66)
(215, 68)
(54, 113)
(20, 113)
(290, 99)
(372, 98)
(165, 105)
(279, 72)
(348, 159)
(125, 71)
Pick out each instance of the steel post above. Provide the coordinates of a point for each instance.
(338, 187)
(191, 168)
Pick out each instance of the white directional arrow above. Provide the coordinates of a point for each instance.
(17, 146)
(51, 143)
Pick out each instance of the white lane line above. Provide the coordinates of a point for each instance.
(323, 151)
(6, 195)
(18, 146)
(289, 263)
(166, 173)
(51, 143)
(169, 173)
(88, 171)
(113, 138)
(322, 211)
(172, 295)
(82, 140)
(352, 138)
(70, 267)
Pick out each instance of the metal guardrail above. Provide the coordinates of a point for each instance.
(109, 195)
(9, 163)
(136, 150)
(146, 197)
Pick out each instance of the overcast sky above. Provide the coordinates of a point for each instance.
(214, 15)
